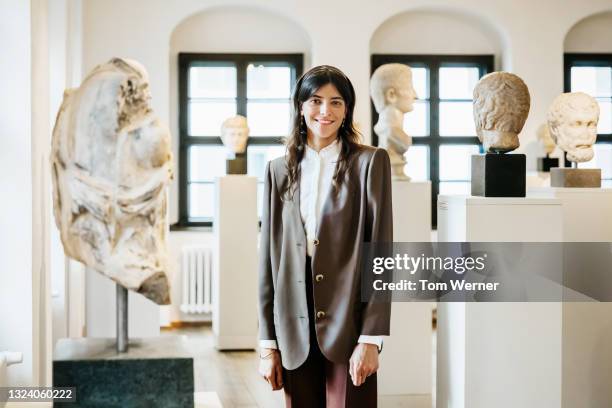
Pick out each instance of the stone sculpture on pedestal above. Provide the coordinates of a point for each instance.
(572, 119)
(234, 134)
(501, 106)
(393, 95)
(111, 163)
(548, 144)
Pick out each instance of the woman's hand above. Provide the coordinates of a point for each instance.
(363, 362)
(270, 368)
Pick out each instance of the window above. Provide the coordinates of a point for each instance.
(592, 74)
(441, 124)
(212, 88)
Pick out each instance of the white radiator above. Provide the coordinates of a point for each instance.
(196, 270)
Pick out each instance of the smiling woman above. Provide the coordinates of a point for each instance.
(327, 197)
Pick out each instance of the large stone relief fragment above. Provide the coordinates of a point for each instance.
(111, 163)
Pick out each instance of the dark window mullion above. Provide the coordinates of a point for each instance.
(434, 136)
(241, 84)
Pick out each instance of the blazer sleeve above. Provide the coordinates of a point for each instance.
(376, 314)
(266, 284)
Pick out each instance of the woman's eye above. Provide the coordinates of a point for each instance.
(337, 103)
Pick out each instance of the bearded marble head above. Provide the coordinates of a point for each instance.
(111, 163)
(501, 106)
(572, 119)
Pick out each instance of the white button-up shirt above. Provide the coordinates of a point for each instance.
(316, 174)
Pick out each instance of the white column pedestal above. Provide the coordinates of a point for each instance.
(406, 360)
(235, 263)
(587, 327)
(499, 354)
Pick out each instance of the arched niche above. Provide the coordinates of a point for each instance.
(233, 30)
(229, 29)
(592, 34)
(437, 31)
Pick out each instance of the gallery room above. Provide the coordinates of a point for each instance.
(199, 198)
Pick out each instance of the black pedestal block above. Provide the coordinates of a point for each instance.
(546, 163)
(139, 378)
(498, 175)
(237, 165)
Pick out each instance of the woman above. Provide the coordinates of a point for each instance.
(327, 197)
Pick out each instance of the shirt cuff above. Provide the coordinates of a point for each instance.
(377, 340)
(268, 344)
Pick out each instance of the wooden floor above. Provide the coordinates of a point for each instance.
(233, 376)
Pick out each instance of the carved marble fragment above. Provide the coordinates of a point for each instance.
(111, 164)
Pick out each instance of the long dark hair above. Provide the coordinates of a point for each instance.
(348, 135)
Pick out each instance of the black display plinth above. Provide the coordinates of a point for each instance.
(155, 372)
(569, 177)
(547, 163)
(498, 175)
(237, 165)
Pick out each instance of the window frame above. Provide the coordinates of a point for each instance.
(241, 61)
(485, 65)
(584, 60)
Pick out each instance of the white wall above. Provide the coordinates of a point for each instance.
(437, 32)
(593, 34)
(25, 312)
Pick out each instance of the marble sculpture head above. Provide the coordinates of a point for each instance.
(572, 119)
(234, 134)
(501, 106)
(111, 163)
(391, 85)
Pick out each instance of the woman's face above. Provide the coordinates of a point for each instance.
(324, 112)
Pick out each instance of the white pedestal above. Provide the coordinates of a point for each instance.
(587, 327)
(235, 263)
(499, 354)
(406, 360)
(101, 315)
(411, 211)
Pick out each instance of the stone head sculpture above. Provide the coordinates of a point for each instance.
(111, 163)
(393, 95)
(391, 85)
(547, 142)
(234, 134)
(572, 120)
(501, 106)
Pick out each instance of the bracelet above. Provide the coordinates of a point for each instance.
(267, 356)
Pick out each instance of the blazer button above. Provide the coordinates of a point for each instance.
(319, 278)
(315, 242)
(320, 314)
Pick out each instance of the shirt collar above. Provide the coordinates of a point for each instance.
(328, 152)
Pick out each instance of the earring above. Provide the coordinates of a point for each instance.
(303, 132)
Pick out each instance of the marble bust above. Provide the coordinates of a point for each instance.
(501, 106)
(234, 134)
(572, 119)
(111, 164)
(393, 95)
(545, 140)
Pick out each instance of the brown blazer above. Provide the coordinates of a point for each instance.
(358, 212)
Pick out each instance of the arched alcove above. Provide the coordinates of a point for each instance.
(591, 34)
(429, 31)
(227, 30)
